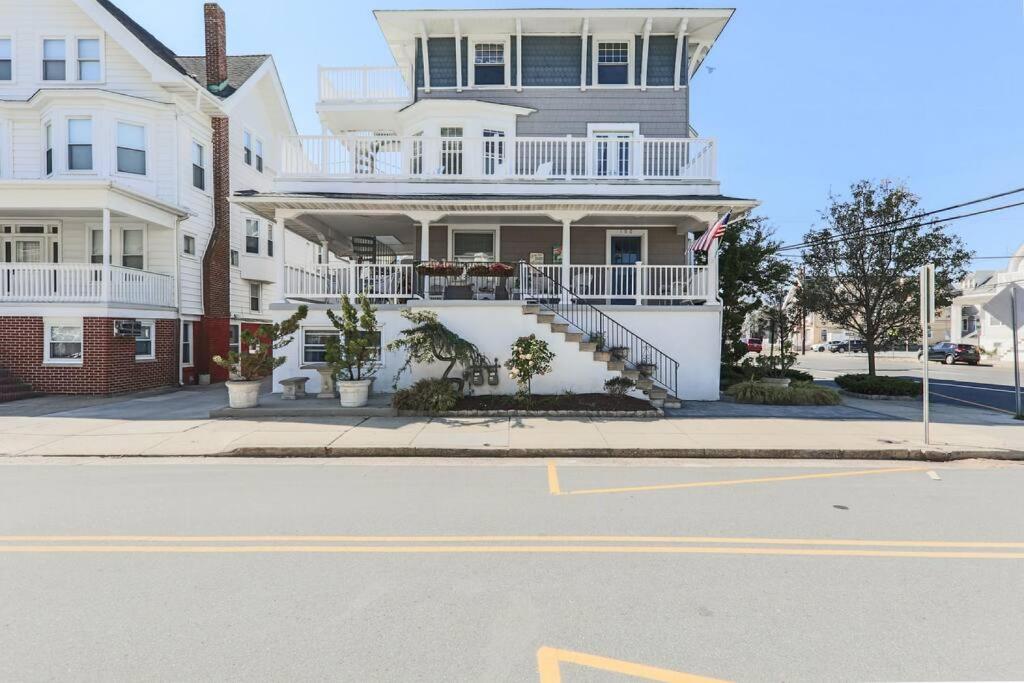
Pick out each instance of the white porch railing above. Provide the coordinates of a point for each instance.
(370, 157)
(637, 284)
(82, 283)
(376, 281)
(363, 84)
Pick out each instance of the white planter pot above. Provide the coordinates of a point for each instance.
(354, 393)
(243, 394)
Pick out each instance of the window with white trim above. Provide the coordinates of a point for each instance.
(55, 64)
(188, 244)
(494, 152)
(416, 155)
(96, 246)
(478, 246)
(198, 166)
(89, 59)
(613, 63)
(145, 343)
(247, 147)
(63, 341)
(489, 64)
(79, 144)
(48, 157)
(252, 236)
(451, 150)
(234, 258)
(259, 155)
(6, 59)
(255, 290)
(133, 245)
(234, 338)
(314, 345)
(186, 343)
(131, 148)
(270, 240)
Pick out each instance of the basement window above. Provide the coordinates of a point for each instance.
(63, 341)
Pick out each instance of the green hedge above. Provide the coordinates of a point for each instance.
(796, 394)
(875, 385)
(427, 395)
(732, 374)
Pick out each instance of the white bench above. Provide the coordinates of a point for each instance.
(293, 388)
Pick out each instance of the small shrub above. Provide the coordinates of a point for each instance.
(531, 357)
(597, 338)
(427, 395)
(797, 394)
(875, 385)
(619, 386)
(799, 375)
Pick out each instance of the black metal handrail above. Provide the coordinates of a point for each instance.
(625, 345)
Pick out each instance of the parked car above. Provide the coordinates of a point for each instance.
(855, 346)
(754, 345)
(838, 346)
(950, 353)
(819, 347)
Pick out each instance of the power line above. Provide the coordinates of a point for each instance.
(916, 216)
(865, 233)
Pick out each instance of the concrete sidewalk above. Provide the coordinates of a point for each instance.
(175, 423)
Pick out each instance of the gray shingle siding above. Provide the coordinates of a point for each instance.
(551, 60)
(441, 54)
(660, 113)
(661, 60)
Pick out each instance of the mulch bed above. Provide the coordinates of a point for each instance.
(556, 402)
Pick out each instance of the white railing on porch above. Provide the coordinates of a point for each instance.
(383, 157)
(363, 84)
(83, 283)
(639, 284)
(376, 281)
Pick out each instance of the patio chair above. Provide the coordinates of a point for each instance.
(544, 170)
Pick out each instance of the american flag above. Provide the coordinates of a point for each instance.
(704, 242)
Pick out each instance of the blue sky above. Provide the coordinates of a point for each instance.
(805, 96)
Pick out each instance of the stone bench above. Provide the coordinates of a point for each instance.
(293, 388)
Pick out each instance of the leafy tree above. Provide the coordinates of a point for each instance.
(748, 267)
(867, 280)
(353, 355)
(260, 361)
(531, 357)
(430, 341)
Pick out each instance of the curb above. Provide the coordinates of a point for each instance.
(878, 397)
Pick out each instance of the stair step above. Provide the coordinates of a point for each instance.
(530, 309)
(545, 318)
(632, 374)
(602, 356)
(573, 336)
(588, 346)
(617, 365)
(656, 393)
(644, 383)
(559, 327)
(672, 402)
(658, 402)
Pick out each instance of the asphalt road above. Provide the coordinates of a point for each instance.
(505, 570)
(986, 386)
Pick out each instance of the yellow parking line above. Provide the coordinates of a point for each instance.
(758, 480)
(499, 550)
(549, 658)
(727, 540)
(553, 486)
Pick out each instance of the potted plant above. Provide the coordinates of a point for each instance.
(440, 269)
(496, 269)
(355, 355)
(429, 341)
(597, 338)
(646, 367)
(620, 352)
(246, 371)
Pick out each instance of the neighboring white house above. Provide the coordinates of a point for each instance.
(113, 188)
(983, 308)
(557, 142)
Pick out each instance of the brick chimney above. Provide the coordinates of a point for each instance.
(216, 47)
(212, 333)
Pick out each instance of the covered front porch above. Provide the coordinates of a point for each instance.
(86, 244)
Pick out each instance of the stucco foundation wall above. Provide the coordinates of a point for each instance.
(689, 334)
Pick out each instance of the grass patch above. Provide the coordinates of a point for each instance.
(796, 394)
(875, 385)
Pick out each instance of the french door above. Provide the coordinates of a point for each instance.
(612, 153)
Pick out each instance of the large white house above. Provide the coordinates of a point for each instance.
(122, 264)
(557, 142)
(981, 313)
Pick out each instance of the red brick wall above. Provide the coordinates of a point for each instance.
(108, 362)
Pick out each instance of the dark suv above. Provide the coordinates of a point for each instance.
(950, 353)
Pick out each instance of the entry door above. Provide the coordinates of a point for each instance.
(626, 250)
(611, 153)
(23, 250)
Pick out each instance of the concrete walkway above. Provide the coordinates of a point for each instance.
(176, 423)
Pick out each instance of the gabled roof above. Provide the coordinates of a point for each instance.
(240, 69)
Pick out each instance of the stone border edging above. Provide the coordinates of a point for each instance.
(878, 397)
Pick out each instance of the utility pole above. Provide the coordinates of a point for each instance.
(927, 315)
(1016, 348)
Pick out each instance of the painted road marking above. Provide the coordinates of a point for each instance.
(553, 487)
(549, 659)
(972, 403)
(734, 482)
(934, 475)
(734, 540)
(970, 386)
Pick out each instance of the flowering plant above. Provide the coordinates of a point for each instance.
(440, 269)
(496, 269)
(530, 357)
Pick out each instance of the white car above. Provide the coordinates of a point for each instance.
(819, 347)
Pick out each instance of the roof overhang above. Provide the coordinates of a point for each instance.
(56, 196)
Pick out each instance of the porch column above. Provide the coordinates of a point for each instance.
(566, 271)
(105, 290)
(956, 322)
(425, 239)
(279, 256)
(713, 268)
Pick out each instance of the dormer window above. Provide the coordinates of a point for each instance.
(613, 59)
(489, 64)
(55, 66)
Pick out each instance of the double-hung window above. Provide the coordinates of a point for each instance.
(474, 245)
(247, 147)
(145, 348)
(613, 63)
(132, 248)
(49, 149)
(234, 258)
(96, 246)
(252, 236)
(235, 338)
(259, 155)
(63, 341)
(314, 345)
(489, 64)
(270, 240)
(89, 59)
(186, 343)
(254, 296)
(55, 65)
(131, 149)
(6, 59)
(79, 144)
(198, 166)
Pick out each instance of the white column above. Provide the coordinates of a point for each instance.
(106, 257)
(458, 57)
(566, 271)
(425, 240)
(519, 55)
(956, 322)
(712, 283)
(426, 58)
(583, 54)
(680, 45)
(279, 258)
(643, 61)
